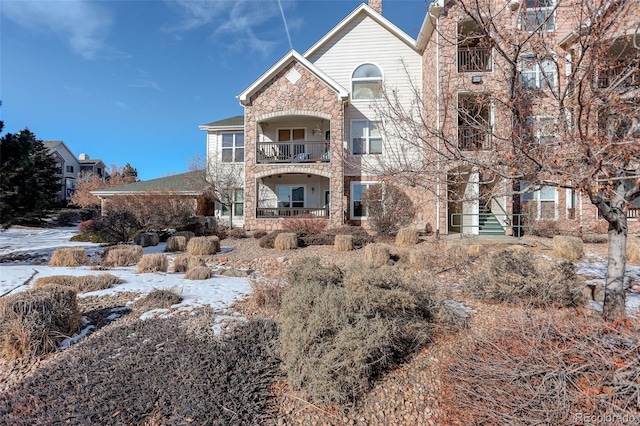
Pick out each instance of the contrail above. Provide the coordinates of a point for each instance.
(286, 27)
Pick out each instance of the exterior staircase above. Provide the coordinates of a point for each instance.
(489, 223)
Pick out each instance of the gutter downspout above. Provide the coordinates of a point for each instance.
(437, 123)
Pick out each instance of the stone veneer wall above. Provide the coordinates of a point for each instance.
(308, 96)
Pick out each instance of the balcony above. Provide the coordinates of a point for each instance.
(293, 152)
(473, 138)
(282, 212)
(474, 59)
(623, 74)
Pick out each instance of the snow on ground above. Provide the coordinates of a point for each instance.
(218, 292)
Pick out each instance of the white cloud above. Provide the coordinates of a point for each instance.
(83, 23)
(146, 83)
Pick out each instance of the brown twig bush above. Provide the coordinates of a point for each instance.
(155, 262)
(122, 255)
(176, 243)
(147, 239)
(187, 234)
(343, 243)
(544, 367)
(407, 237)
(198, 273)
(203, 246)
(514, 277)
(336, 338)
(568, 248)
(69, 257)
(265, 298)
(633, 253)
(286, 241)
(159, 299)
(184, 262)
(306, 224)
(376, 255)
(81, 284)
(34, 322)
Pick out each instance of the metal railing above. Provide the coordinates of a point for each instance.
(473, 138)
(633, 213)
(616, 70)
(293, 152)
(280, 212)
(474, 59)
(518, 222)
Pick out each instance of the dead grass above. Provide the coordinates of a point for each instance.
(343, 243)
(286, 241)
(69, 257)
(198, 273)
(568, 248)
(155, 262)
(176, 243)
(203, 246)
(633, 253)
(81, 284)
(122, 255)
(159, 299)
(265, 298)
(184, 263)
(407, 237)
(35, 321)
(376, 255)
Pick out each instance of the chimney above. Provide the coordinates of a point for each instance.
(83, 156)
(376, 5)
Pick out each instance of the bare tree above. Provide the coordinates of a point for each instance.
(559, 108)
(88, 182)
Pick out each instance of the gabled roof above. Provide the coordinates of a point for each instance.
(278, 66)
(226, 123)
(57, 145)
(362, 9)
(428, 25)
(180, 184)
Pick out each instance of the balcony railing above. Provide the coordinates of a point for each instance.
(473, 138)
(633, 213)
(275, 213)
(293, 152)
(614, 72)
(474, 59)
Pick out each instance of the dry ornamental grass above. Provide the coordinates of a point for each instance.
(176, 243)
(81, 284)
(183, 263)
(122, 255)
(286, 241)
(69, 257)
(568, 248)
(203, 246)
(407, 237)
(159, 299)
(633, 253)
(376, 255)
(343, 243)
(198, 273)
(155, 262)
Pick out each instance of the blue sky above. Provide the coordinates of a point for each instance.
(130, 81)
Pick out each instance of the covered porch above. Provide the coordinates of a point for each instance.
(293, 194)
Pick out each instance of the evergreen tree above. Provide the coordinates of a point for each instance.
(28, 184)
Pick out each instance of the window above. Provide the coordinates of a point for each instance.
(358, 210)
(538, 14)
(537, 73)
(366, 82)
(69, 169)
(543, 129)
(238, 204)
(290, 196)
(542, 203)
(287, 135)
(365, 137)
(571, 203)
(233, 147)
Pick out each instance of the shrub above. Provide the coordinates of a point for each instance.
(265, 297)
(323, 239)
(176, 243)
(259, 234)
(196, 228)
(407, 237)
(595, 238)
(81, 284)
(201, 246)
(35, 321)
(69, 257)
(119, 223)
(568, 248)
(88, 237)
(308, 270)
(147, 239)
(440, 256)
(186, 234)
(122, 255)
(343, 243)
(388, 208)
(88, 213)
(633, 253)
(237, 233)
(159, 299)
(513, 277)
(68, 217)
(218, 231)
(376, 255)
(198, 273)
(336, 339)
(286, 241)
(89, 226)
(304, 224)
(183, 263)
(155, 262)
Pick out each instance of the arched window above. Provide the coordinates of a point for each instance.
(366, 82)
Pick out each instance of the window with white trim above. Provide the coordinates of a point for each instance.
(538, 14)
(543, 129)
(238, 204)
(290, 196)
(357, 209)
(366, 137)
(544, 202)
(366, 82)
(233, 147)
(69, 169)
(537, 73)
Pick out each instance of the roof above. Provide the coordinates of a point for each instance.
(429, 23)
(180, 184)
(283, 62)
(362, 9)
(225, 123)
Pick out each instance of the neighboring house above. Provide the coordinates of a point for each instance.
(67, 168)
(95, 166)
